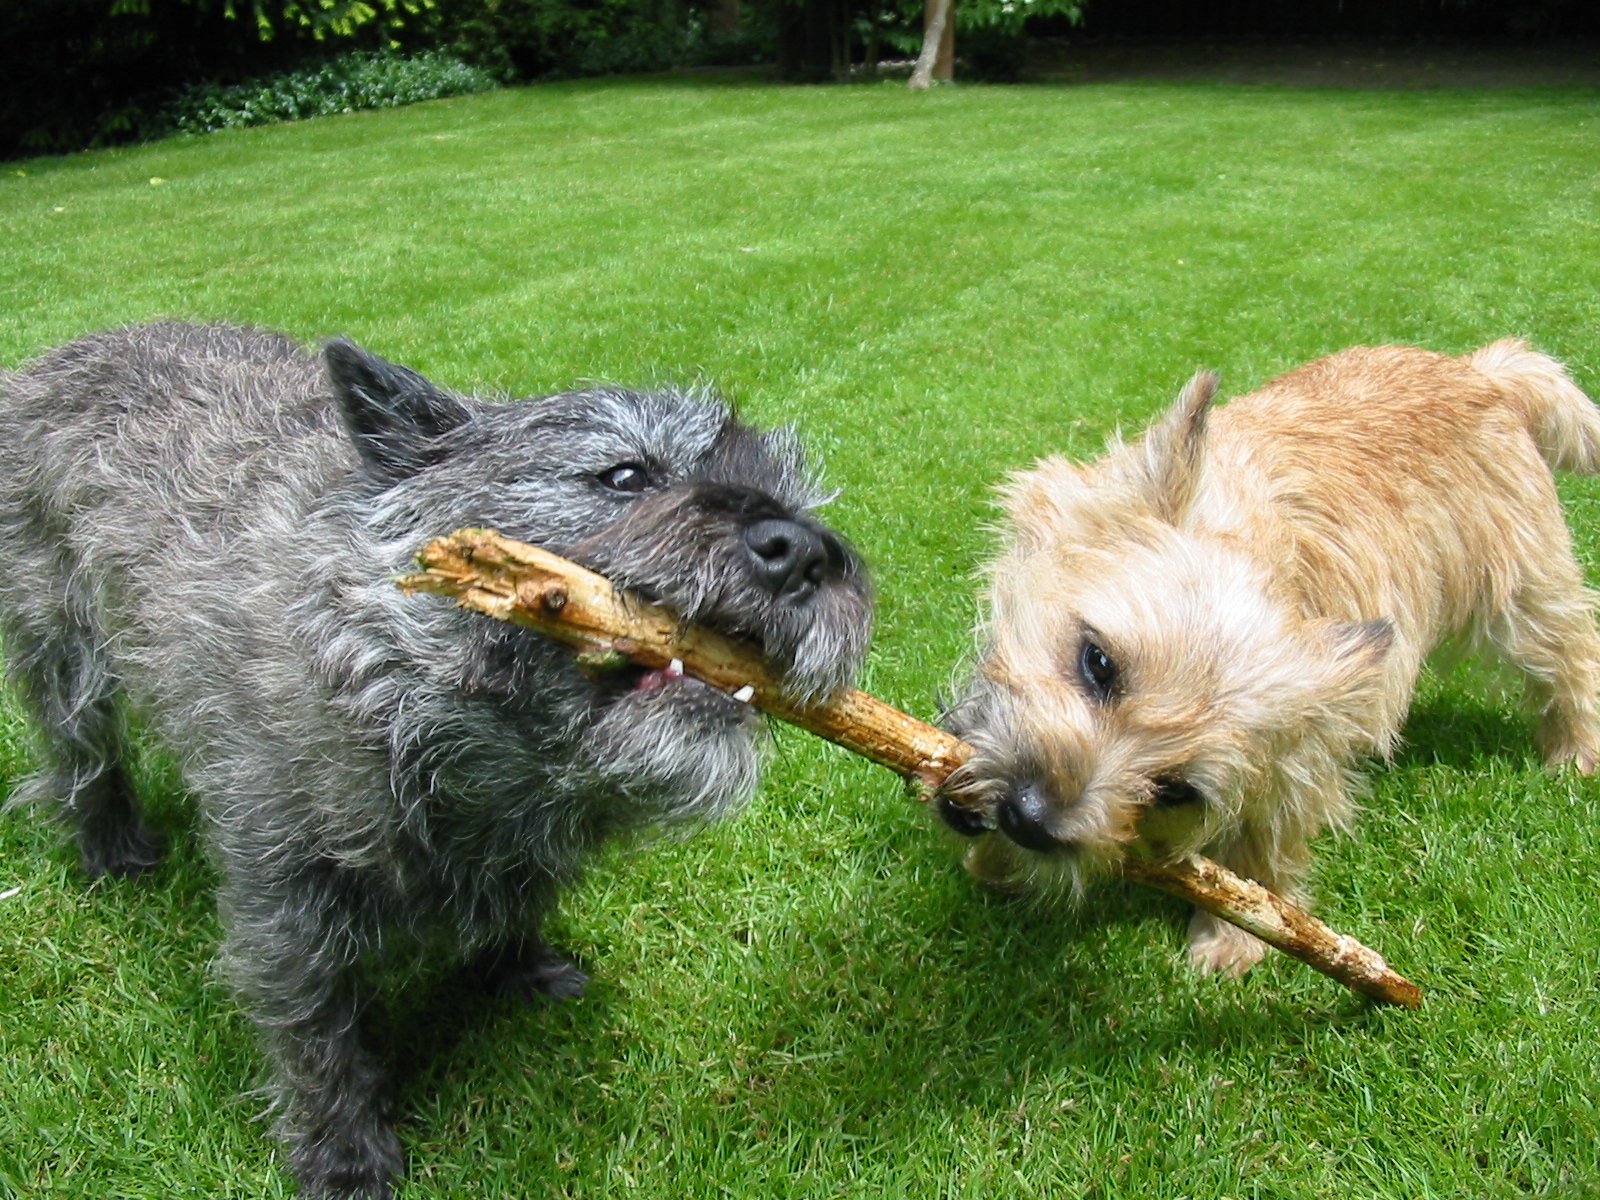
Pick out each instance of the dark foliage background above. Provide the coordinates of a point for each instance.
(74, 72)
(77, 73)
(1341, 18)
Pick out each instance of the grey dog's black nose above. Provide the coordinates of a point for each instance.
(1021, 816)
(790, 560)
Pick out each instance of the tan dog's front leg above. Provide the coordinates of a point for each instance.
(1217, 947)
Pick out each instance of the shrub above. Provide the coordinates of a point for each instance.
(992, 53)
(353, 80)
(543, 39)
(77, 73)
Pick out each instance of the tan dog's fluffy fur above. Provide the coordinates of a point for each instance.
(1200, 634)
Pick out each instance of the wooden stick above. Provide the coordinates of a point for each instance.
(516, 582)
(1245, 903)
(529, 586)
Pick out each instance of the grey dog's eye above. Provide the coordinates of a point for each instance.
(626, 477)
(1098, 671)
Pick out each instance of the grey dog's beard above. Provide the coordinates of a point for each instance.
(678, 750)
(816, 650)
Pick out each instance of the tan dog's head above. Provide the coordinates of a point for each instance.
(1142, 681)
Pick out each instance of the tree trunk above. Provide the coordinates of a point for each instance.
(936, 63)
(819, 41)
(791, 38)
(839, 36)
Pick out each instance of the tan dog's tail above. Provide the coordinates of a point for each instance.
(1564, 422)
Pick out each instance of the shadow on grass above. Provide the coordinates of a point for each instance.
(910, 1011)
(1457, 731)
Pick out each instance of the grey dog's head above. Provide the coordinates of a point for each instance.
(667, 494)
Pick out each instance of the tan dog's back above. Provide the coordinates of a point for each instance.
(1399, 483)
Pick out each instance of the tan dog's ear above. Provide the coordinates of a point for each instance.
(1170, 454)
(1360, 643)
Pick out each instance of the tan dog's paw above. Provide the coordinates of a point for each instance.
(1580, 753)
(1583, 758)
(1216, 947)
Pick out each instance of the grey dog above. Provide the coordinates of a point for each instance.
(199, 527)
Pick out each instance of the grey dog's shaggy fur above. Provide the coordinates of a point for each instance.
(207, 521)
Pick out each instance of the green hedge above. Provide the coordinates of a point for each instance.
(350, 81)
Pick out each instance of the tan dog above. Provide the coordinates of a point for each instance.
(1197, 636)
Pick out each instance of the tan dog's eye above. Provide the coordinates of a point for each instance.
(1172, 791)
(1098, 672)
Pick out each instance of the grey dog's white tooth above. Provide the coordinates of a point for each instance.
(745, 694)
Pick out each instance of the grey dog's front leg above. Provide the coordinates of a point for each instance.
(298, 972)
(336, 1123)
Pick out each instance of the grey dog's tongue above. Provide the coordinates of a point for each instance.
(651, 680)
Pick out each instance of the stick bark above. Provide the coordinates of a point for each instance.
(516, 582)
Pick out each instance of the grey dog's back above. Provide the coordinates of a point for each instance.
(182, 500)
(172, 487)
(155, 462)
(184, 424)
(166, 474)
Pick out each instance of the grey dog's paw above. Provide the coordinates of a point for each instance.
(529, 970)
(348, 1160)
(126, 854)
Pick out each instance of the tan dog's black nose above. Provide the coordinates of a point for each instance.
(1022, 819)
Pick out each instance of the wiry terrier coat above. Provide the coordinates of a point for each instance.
(1192, 640)
(204, 525)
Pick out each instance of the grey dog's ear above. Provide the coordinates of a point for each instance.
(394, 415)
(1172, 448)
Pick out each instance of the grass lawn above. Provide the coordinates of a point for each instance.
(813, 1000)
